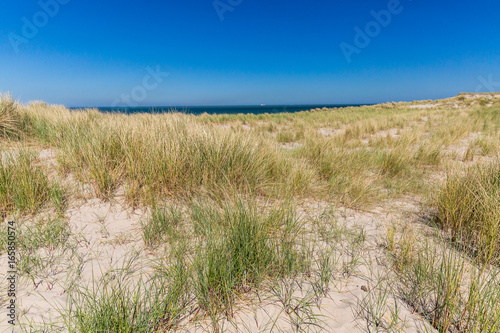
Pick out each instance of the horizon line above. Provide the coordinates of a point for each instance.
(222, 105)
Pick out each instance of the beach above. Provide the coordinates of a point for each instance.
(374, 218)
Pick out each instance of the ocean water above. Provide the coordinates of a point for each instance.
(251, 109)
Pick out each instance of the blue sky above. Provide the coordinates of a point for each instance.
(101, 53)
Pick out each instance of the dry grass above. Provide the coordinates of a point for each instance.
(23, 185)
(469, 208)
(441, 284)
(9, 119)
(224, 191)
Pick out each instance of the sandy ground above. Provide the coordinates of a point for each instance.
(106, 234)
(424, 106)
(99, 232)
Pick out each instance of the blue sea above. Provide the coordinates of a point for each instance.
(246, 109)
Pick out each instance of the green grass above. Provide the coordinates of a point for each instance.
(230, 248)
(127, 303)
(9, 117)
(172, 154)
(58, 197)
(162, 226)
(49, 233)
(153, 157)
(242, 246)
(440, 283)
(23, 185)
(37, 244)
(469, 208)
(237, 187)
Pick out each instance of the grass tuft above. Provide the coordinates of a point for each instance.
(164, 224)
(242, 247)
(469, 208)
(23, 185)
(9, 117)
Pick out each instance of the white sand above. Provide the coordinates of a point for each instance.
(425, 106)
(106, 235)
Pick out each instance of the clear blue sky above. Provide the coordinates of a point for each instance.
(92, 52)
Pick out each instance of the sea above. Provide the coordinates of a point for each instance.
(244, 109)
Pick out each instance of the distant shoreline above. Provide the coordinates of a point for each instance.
(233, 109)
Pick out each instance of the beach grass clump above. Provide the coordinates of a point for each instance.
(485, 145)
(23, 185)
(9, 117)
(439, 283)
(242, 247)
(51, 124)
(469, 208)
(219, 158)
(42, 234)
(48, 233)
(163, 225)
(396, 161)
(158, 155)
(96, 155)
(429, 154)
(58, 197)
(349, 173)
(290, 135)
(40, 244)
(129, 303)
(285, 136)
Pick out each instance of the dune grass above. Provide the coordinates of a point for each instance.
(23, 185)
(242, 247)
(226, 250)
(441, 284)
(156, 155)
(39, 244)
(162, 226)
(154, 303)
(9, 117)
(355, 155)
(224, 192)
(222, 254)
(469, 208)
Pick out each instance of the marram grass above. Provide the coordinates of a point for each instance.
(23, 185)
(225, 239)
(469, 208)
